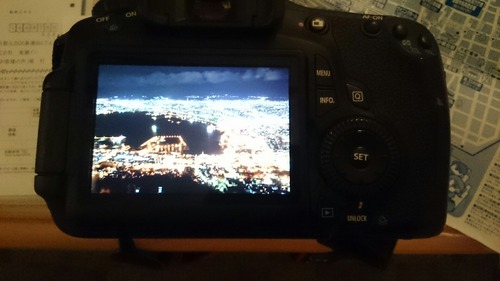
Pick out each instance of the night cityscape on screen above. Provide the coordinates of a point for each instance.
(180, 129)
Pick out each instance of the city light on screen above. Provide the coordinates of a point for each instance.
(185, 129)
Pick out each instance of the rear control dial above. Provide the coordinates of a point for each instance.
(359, 156)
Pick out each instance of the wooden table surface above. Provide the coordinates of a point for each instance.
(25, 222)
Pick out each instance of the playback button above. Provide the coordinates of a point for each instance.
(327, 213)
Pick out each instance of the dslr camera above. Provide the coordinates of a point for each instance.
(251, 119)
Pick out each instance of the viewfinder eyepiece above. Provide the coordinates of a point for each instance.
(213, 13)
(211, 10)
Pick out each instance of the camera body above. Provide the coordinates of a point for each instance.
(292, 123)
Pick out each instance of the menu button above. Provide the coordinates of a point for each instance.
(323, 72)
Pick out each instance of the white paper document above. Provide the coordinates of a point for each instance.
(28, 29)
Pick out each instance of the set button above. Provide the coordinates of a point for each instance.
(360, 156)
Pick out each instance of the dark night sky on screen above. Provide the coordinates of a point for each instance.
(180, 82)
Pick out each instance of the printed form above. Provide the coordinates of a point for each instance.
(468, 34)
(28, 29)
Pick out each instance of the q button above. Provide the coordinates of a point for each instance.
(357, 96)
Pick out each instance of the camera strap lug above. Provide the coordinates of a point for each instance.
(374, 251)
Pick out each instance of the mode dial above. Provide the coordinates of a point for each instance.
(109, 7)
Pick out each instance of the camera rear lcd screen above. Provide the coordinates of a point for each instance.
(187, 130)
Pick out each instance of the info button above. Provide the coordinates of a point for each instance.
(326, 100)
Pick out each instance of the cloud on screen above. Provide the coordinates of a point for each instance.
(178, 81)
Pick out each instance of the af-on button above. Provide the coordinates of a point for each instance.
(372, 27)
